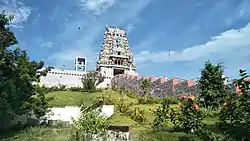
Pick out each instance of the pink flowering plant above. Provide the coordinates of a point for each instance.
(189, 118)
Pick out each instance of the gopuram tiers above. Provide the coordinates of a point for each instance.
(115, 56)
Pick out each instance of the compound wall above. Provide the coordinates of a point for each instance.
(159, 87)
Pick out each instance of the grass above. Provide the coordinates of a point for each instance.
(139, 131)
(68, 98)
(39, 134)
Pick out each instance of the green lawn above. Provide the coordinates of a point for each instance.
(67, 98)
(139, 131)
(39, 134)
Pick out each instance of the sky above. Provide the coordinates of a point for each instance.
(193, 31)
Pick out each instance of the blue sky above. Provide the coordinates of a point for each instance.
(193, 30)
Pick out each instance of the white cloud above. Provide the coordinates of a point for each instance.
(18, 9)
(47, 44)
(226, 42)
(97, 7)
(83, 42)
(129, 28)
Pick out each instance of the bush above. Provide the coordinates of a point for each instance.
(122, 106)
(209, 112)
(235, 115)
(91, 80)
(90, 123)
(107, 100)
(163, 136)
(149, 100)
(162, 115)
(131, 94)
(137, 115)
(75, 89)
(190, 118)
(171, 100)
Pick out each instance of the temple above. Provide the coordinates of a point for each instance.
(115, 56)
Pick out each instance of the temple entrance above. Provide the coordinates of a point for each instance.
(118, 71)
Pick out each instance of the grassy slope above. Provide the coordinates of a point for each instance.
(65, 98)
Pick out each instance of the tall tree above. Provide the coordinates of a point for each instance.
(211, 85)
(17, 76)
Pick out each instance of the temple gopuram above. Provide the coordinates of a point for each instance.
(115, 56)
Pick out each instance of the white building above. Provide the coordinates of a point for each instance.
(55, 77)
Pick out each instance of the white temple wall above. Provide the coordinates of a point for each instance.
(64, 77)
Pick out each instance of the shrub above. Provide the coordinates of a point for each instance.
(171, 100)
(90, 123)
(122, 106)
(162, 114)
(137, 115)
(75, 89)
(91, 80)
(190, 118)
(149, 100)
(62, 87)
(107, 100)
(209, 112)
(235, 115)
(131, 94)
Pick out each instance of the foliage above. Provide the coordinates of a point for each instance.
(155, 100)
(171, 100)
(235, 115)
(211, 85)
(91, 80)
(163, 136)
(136, 114)
(38, 103)
(209, 112)
(122, 106)
(62, 87)
(18, 76)
(130, 94)
(90, 123)
(107, 100)
(190, 118)
(75, 89)
(145, 85)
(162, 114)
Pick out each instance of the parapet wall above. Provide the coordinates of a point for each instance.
(159, 87)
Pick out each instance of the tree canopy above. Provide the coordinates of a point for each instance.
(17, 76)
(211, 84)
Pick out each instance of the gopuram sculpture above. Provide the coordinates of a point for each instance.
(115, 56)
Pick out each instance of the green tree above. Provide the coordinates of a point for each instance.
(17, 76)
(91, 80)
(145, 85)
(211, 85)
